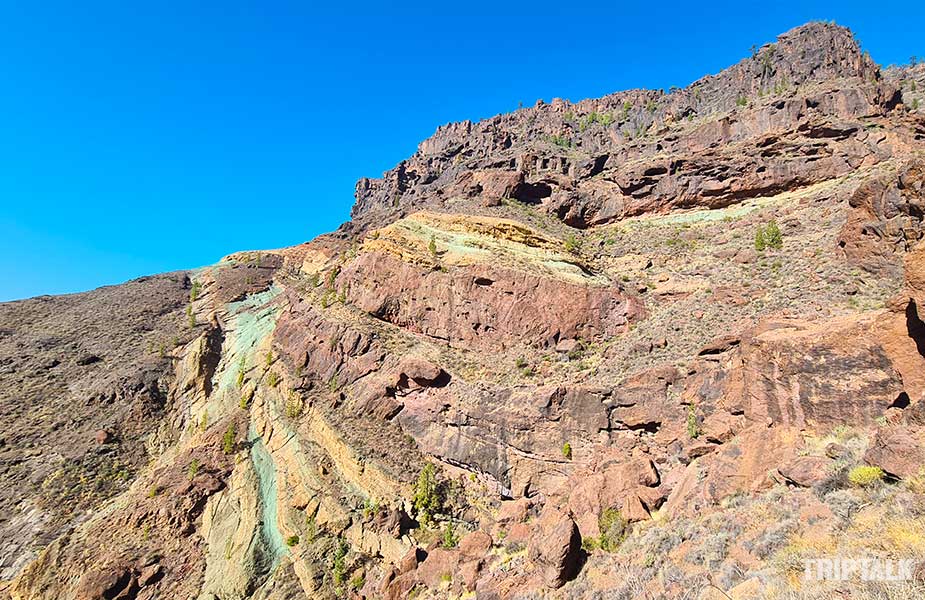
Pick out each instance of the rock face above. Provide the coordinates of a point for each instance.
(646, 345)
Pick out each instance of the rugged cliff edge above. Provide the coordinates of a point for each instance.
(642, 346)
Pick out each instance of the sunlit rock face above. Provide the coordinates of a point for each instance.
(646, 345)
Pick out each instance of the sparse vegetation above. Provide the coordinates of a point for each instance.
(567, 451)
(573, 244)
(432, 246)
(242, 369)
(229, 440)
(339, 563)
(193, 469)
(561, 140)
(273, 379)
(294, 405)
(741, 101)
(194, 291)
(613, 529)
(292, 540)
(357, 582)
(693, 428)
(427, 500)
(864, 475)
(450, 539)
(246, 398)
(768, 236)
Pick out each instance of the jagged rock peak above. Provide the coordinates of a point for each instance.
(804, 56)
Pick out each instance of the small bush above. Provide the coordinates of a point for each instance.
(742, 101)
(294, 405)
(693, 427)
(193, 469)
(426, 494)
(357, 582)
(561, 141)
(521, 362)
(246, 398)
(567, 451)
(194, 291)
(292, 540)
(760, 242)
(573, 244)
(229, 440)
(863, 475)
(773, 236)
(613, 529)
(339, 563)
(450, 539)
(273, 379)
(432, 246)
(768, 236)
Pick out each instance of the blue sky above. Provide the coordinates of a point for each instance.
(161, 136)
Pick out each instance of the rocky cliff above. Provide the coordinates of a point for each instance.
(643, 346)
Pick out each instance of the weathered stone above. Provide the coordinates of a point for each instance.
(554, 547)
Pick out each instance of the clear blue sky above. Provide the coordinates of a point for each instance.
(145, 137)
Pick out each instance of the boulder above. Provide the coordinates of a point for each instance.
(900, 452)
(806, 471)
(555, 548)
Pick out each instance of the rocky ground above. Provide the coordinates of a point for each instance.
(652, 345)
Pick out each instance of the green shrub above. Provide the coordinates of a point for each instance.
(292, 540)
(357, 582)
(194, 291)
(193, 469)
(773, 236)
(339, 563)
(294, 405)
(561, 141)
(613, 529)
(273, 379)
(573, 244)
(450, 540)
(760, 242)
(693, 428)
(521, 362)
(229, 440)
(567, 450)
(863, 475)
(246, 398)
(432, 246)
(742, 101)
(427, 500)
(311, 528)
(768, 236)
